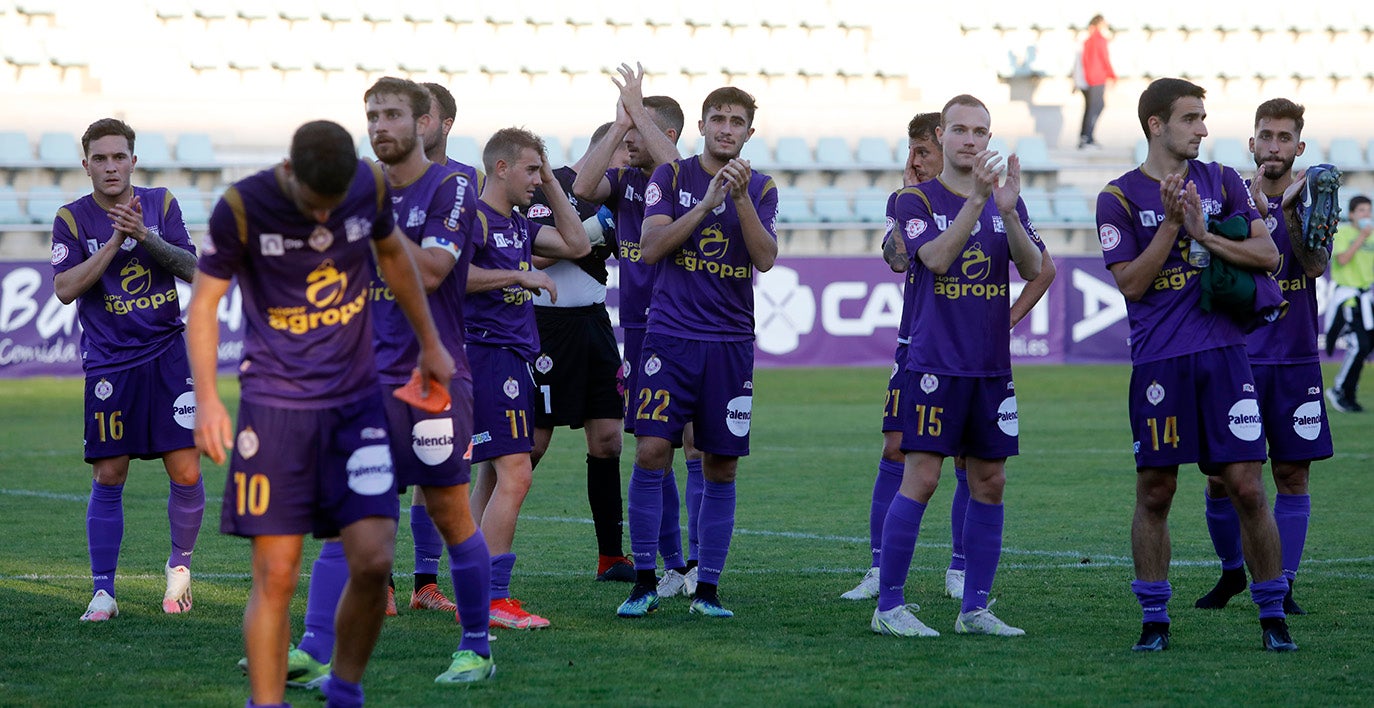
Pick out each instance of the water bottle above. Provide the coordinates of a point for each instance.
(1198, 255)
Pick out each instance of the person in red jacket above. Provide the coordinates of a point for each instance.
(1097, 69)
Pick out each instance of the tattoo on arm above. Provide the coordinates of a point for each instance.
(179, 262)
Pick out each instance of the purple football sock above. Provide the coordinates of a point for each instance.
(429, 545)
(1291, 512)
(670, 525)
(185, 506)
(327, 580)
(1224, 526)
(251, 704)
(104, 531)
(645, 512)
(1154, 599)
(717, 527)
(501, 568)
(339, 693)
(470, 566)
(1269, 596)
(958, 509)
(696, 482)
(884, 487)
(900, 529)
(983, 541)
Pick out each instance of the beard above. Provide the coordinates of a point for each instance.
(1275, 169)
(396, 150)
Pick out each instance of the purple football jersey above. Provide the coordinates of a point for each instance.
(908, 292)
(503, 317)
(132, 314)
(636, 277)
(435, 211)
(1292, 339)
(477, 177)
(308, 342)
(1168, 321)
(705, 289)
(961, 321)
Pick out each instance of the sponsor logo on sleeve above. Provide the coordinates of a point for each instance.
(915, 227)
(271, 244)
(1109, 235)
(59, 253)
(653, 194)
(540, 211)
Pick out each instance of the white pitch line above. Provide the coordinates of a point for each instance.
(1095, 559)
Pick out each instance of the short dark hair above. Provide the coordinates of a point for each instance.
(106, 127)
(414, 94)
(1281, 108)
(730, 96)
(507, 143)
(1095, 20)
(1158, 99)
(323, 157)
(600, 133)
(922, 126)
(448, 108)
(962, 99)
(668, 114)
(1357, 200)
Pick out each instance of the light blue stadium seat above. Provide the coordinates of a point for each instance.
(793, 207)
(1072, 205)
(792, 153)
(578, 147)
(757, 153)
(558, 155)
(832, 152)
(874, 152)
(1313, 155)
(43, 203)
(153, 151)
(365, 147)
(1142, 150)
(10, 213)
(193, 209)
(1038, 204)
(15, 151)
(1034, 154)
(832, 205)
(465, 150)
(195, 152)
(1347, 154)
(1232, 152)
(59, 150)
(870, 205)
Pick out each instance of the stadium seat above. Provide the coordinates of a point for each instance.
(1232, 152)
(59, 151)
(1037, 203)
(10, 213)
(875, 153)
(465, 150)
(1035, 154)
(194, 152)
(757, 153)
(870, 205)
(153, 151)
(1347, 154)
(792, 153)
(1313, 155)
(558, 155)
(578, 147)
(365, 147)
(1142, 150)
(832, 206)
(833, 153)
(15, 151)
(1072, 205)
(793, 207)
(193, 210)
(43, 203)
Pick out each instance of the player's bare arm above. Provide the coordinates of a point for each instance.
(568, 237)
(396, 267)
(662, 235)
(70, 284)
(661, 148)
(763, 250)
(941, 252)
(894, 253)
(481, 280)
(128, 219)
(1313, 260)
(591, 183)
(214, 429)
(1134, 277)
(1034, 290)
(433, 264)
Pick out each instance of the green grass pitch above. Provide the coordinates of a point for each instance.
(801, 539)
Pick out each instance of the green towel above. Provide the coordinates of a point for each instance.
(1224, 286)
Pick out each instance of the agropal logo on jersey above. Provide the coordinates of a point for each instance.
(325, 290)
(977, 265)
(784, 310)
(432, 440)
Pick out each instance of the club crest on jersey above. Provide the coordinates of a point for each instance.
(539, 211)
(652, 365)
(653, 194)
(511, 388)
(929, 382)
(59, 253)
(271, 244)
(544, 364)
(1154, 393)
(104, 389)
(416, 217)
(895, 369)
(1109, 236)
(247, 443)
(1271, 223)
(321, 238)
(914, 227)
(1149, 218)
